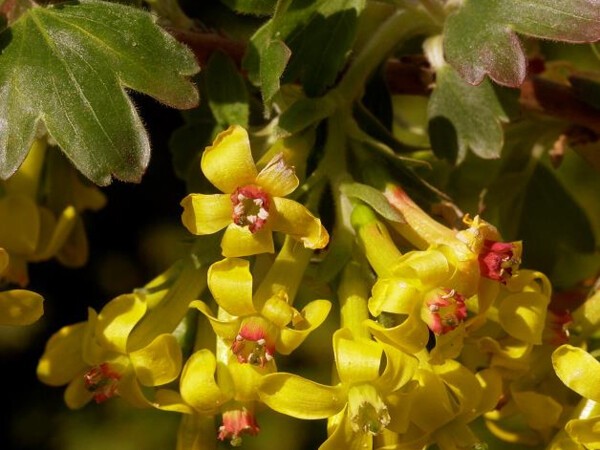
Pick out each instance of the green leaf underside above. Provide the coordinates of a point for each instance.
(374, 198)
(463, 116)
(319, 35)
(480, 38)
(227, 94)
(68, 66)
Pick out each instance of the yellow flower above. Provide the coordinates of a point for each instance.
(580, 371)
(92, 358)
(18, 306)
(209, 387)
(252, 204)
(362, 405)
(256, 329)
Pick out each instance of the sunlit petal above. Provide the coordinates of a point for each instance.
(20, 307)
(230, 283)
(301, 398)
(356, 361)
(198, 386)
(313, 315)
(578, 370)
(292, 218)
(159, 362)
(239, 241)
(206, 214)
(117, 319)
(277, 177)
(62, 359)
(228, 162)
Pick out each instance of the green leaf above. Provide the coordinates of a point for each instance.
(276, 57)
(463, 116)
(319, 34)
(68, 66)
(227, 94)
(374, 198)
(480, 38)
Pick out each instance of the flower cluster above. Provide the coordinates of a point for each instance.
(440, 327)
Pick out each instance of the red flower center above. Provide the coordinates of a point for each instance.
(250, 207)
(102, 381)
(254, 342)
(498, 260)
(235, 423)
(445, 311)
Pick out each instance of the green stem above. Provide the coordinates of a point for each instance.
(333, 166)
(398, 27)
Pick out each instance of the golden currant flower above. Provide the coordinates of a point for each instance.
(251, 205)
(362, 405)
(18, 306)
(580, 372)
(208, 388)
(92, 358)
(256, 329)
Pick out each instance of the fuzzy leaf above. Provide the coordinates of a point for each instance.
(462, 116)
(480, 38)
(318, 33)
(227, 94)
(68, 66)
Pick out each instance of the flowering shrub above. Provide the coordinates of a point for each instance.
(328, 271)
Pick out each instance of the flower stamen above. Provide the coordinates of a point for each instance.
(102, 381)
(250, 207)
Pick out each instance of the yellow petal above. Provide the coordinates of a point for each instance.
(277, 178)
(159, 362)
(523, 315)
(228, 163)
(578, 370)
(540, 411)
(239, 241)
(230, 283)
(225, 329)
(244, 379)
(314, 314)
(129, 389)
(400, 368)
(168, 400)
(75, 249)
(20, 307)
(76, 394)
(20, 228)
(198, 386)
(344, 437)
(356, 361)
(54, 234)
(117, 319)
(294, 219)
(62, 359)
(301, 398)
(410, 336)
(585, 431)
(394, 296)
(206, 214)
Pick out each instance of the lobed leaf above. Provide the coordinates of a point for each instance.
(68, 66)
(462, 116)
(480, 38)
